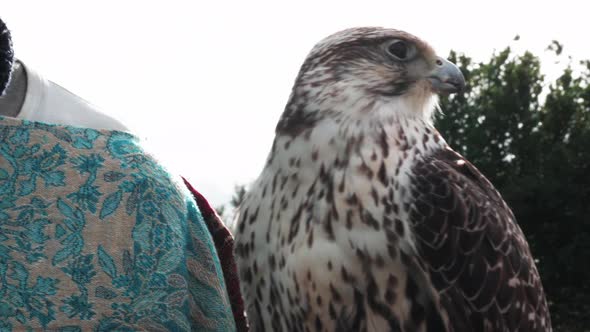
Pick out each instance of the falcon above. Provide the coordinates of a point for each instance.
(364, 219)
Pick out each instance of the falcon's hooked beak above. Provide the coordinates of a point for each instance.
(447, 77)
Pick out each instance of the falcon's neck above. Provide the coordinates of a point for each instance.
(361, 139)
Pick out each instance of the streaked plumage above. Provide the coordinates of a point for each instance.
(364, 219)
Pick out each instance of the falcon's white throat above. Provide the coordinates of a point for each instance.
(349, 116)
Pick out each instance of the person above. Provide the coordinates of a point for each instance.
(95, 233)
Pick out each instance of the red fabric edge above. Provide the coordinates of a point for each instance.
(224, 243)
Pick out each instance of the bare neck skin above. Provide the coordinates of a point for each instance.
(14, 96)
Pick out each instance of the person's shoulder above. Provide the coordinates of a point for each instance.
(47, 101)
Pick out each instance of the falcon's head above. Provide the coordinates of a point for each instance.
(356, 71)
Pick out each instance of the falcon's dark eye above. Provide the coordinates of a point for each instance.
(401, 50)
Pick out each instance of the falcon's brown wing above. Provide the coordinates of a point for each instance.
(476, 255)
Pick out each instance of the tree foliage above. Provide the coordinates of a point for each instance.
(226, 213)
(531, 138)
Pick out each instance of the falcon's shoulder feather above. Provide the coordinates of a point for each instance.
(476, 254)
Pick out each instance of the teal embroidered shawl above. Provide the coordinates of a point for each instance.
(96, 235)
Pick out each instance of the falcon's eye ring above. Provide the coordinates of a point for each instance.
(401, 50)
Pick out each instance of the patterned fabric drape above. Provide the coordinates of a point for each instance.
(96, 236)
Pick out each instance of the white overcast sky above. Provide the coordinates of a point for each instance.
(204, 82)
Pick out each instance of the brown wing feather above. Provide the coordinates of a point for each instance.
(476, 255)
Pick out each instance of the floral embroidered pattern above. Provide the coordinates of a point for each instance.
(96, 235)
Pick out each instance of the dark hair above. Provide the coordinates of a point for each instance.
(6, 57)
